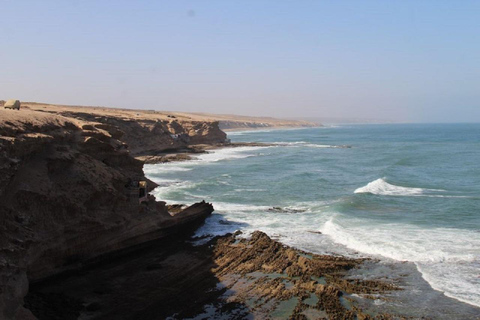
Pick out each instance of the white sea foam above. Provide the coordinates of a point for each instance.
(211, 156)
(266, 130)
(381, 187)
(243, 132)
(226, 207)
(157, 172)
(447, 258)
(293, 223)
(229, 154)
(293, 228)
(226, 218)
(164, 191)
(162, 168)
(306, 145)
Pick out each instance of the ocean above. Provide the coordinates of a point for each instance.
(405, 194)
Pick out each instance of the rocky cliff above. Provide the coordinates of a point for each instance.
(144, 132)
(190, 128)
(64, 196)
(229, 277)
(151, 136)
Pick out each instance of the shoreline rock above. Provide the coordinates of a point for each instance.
(186, 154)
(229, 277)
(64, 200)
(69, 231)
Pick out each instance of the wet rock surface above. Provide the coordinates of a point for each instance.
(285, 210)
(228, 278)
(277, 281)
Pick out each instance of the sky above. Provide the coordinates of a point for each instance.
(409, 61)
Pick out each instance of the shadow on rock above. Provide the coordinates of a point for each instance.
(170, 278)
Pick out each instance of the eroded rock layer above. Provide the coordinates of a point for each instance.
(276, 281)
(144, 132)
(227, 278)
(65, 198)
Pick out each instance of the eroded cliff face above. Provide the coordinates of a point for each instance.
(199, 127)
(63, 195)
(150, 135)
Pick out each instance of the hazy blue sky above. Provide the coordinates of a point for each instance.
(404, 60)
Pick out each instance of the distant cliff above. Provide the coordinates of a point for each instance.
(239, 124)
(64, 196)
(200, 127)
(234, 122)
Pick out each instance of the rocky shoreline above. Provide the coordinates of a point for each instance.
(74, 243)
(232, 277)
(71, 191)
(189, 153)
(229, 278)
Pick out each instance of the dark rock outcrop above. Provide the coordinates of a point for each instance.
(227, 278)
(275, 279)
(64, 201)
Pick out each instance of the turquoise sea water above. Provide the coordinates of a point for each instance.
(395, 192)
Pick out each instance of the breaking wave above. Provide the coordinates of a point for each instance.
(446, 257)
(228, 154)
(381, 187)
(308, 145)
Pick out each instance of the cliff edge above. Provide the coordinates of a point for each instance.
(65, 196)
(144, 132)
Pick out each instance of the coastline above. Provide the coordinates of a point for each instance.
(338, 292)
(417, 293)
(272, 128)
(71, 193)
(233, 277)
(66, 188)
(228, 277)
(187, 154)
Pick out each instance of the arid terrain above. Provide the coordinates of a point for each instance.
(226, 121)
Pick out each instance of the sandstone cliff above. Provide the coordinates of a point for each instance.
(237, 122)
(63, 195)
(199, 127)
(151, 136)
(145, 132)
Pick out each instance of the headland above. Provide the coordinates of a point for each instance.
(81, 237)
(73, 192)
